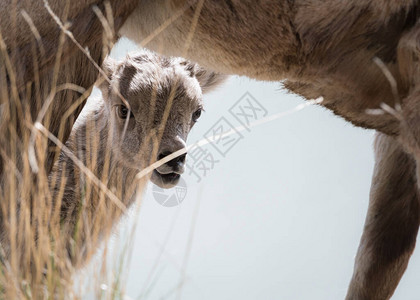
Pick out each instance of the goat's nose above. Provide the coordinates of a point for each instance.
(177, 164)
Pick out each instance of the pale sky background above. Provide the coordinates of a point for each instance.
(280, 217)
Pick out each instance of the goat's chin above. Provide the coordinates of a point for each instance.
(165, 181)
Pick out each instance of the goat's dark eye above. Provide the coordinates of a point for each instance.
(196, 115)
(122, 112)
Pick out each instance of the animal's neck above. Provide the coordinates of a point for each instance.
(93, 138)
(87, 209)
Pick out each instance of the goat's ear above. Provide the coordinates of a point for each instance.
(108, 66)
(208, 79)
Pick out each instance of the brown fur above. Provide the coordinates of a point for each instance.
(391, 224)
(321, 48)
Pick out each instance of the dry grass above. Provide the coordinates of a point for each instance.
(35, 238)
(40, 250)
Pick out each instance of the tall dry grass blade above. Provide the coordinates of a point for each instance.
(81, 48)
(390, 78)
(82, 167)
(165, 25)
(187, 253)
(34, 31)
(42, 113)
(146, 286)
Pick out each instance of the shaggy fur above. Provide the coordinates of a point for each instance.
(318, 48)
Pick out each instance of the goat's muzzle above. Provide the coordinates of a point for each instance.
(168, 174)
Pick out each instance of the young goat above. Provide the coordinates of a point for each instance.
(148, 107)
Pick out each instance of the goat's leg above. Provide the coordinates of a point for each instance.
(391, 224)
